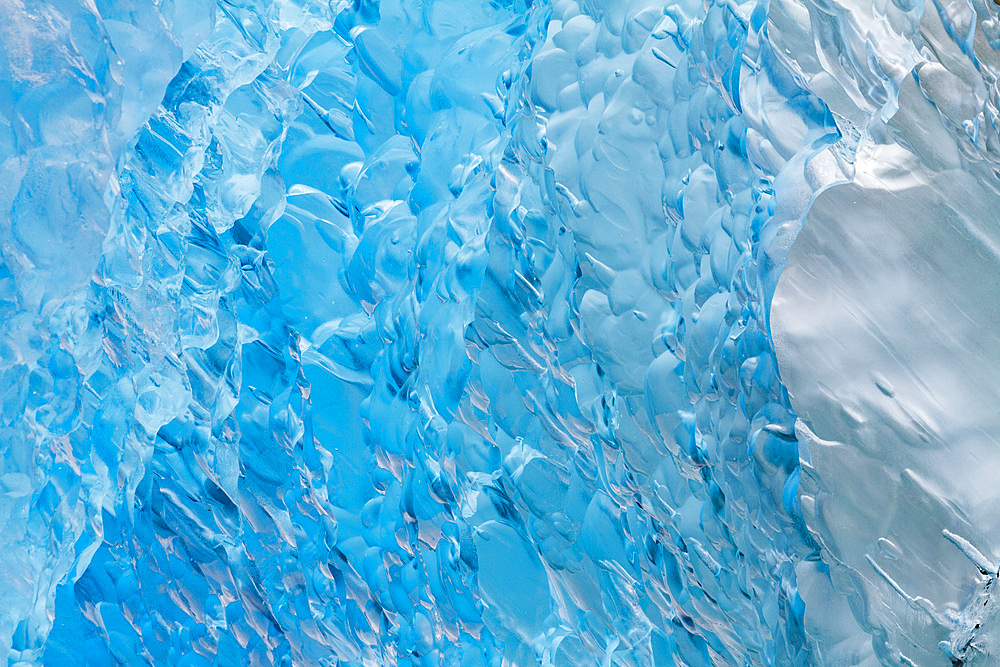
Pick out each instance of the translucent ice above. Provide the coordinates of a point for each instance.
(436, 332)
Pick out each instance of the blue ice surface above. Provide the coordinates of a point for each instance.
(416, 332)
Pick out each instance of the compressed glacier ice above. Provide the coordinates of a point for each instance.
(438, 332)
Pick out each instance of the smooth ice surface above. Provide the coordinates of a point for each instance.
(435, 332)
(887, 325)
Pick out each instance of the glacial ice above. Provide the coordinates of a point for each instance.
(438, 332)
(887, 326)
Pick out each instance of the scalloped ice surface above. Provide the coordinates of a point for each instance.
(426, 332)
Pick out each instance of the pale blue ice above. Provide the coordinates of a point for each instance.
(424, 332)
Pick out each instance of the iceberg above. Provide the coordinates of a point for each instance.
(497, 332)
